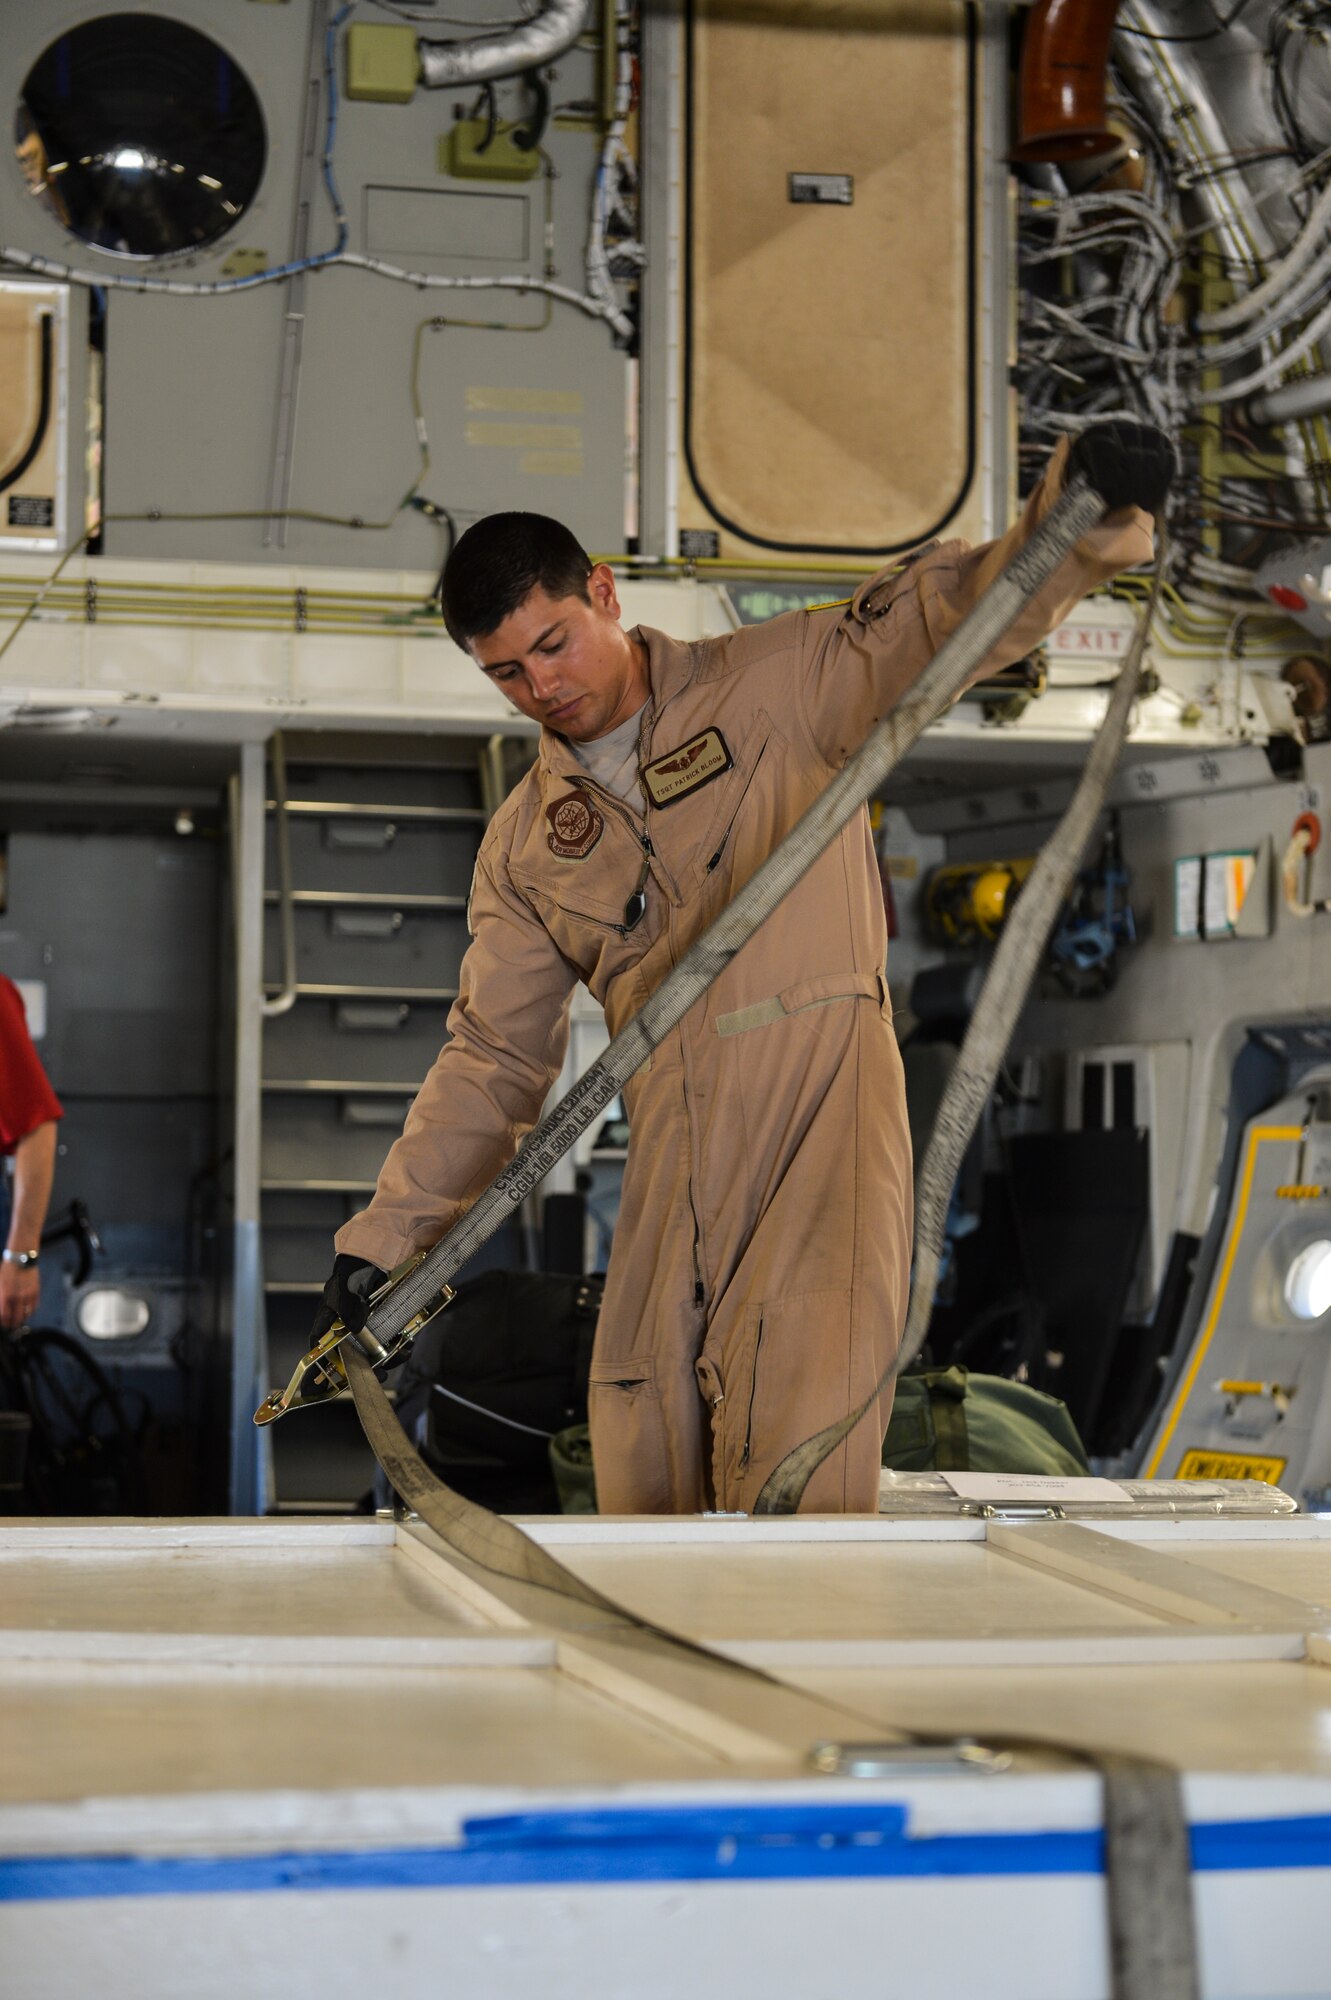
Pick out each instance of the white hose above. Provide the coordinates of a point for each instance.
(1275, 321)
(600, 284)
(1307, 396)
(1119, 205)
(1074, 321)
(1286, 271)
(1262, 378)
(1213, 570)
(444, 65)
(67, 274)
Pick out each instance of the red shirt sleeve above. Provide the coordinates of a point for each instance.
(26, 1097)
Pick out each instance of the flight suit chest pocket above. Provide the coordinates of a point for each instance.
(603, 919)
(593, 936)
(696, 834)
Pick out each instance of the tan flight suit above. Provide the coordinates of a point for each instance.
(758, 1282)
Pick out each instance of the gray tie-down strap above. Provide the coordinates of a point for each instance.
(1148, 1881)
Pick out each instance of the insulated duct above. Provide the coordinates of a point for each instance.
(1064, 64)
(554, 29)
(1309, 396)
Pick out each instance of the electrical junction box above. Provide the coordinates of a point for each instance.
(465, 153)
(34, 415)
(382, 64)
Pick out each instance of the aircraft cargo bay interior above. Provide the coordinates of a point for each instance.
(665, 998)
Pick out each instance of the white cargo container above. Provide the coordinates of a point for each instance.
(330, 1758)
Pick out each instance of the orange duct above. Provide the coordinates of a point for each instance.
(1064, 61)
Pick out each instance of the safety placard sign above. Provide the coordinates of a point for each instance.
(1230, 1465)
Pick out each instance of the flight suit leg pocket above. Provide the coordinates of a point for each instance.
(724, 1373)
(795, 1371)
(628, 1437)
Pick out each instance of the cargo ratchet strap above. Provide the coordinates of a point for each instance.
(1152, 1947)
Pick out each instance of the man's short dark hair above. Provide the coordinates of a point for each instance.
(499, 562)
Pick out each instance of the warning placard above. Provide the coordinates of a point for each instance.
(1230, 1465)
(31, 510)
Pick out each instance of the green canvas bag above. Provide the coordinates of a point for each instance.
(948, 1420)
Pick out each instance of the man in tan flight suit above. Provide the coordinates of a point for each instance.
(759, 1278)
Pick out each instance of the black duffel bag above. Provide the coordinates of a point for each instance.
(490, 1381)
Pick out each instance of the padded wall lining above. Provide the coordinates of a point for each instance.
(829, 351)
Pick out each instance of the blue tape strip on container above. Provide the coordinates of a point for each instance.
(673, 1844)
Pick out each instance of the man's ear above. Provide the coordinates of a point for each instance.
(601, 590)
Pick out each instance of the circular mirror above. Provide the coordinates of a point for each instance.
(1308, 1281)
(140, 136)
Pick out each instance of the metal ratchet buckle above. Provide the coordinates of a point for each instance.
(321, 1374)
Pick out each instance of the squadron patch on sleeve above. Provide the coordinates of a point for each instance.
(575, 826)
(682, 771)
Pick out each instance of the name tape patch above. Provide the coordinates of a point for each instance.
(575, 826)
(672, 777)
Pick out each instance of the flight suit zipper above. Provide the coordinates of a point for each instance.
(739, 806)
(747, 1452)
(612, 803)
(699, 1290)
(624, 813)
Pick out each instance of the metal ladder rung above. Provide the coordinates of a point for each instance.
(353, 809)
(305, 991)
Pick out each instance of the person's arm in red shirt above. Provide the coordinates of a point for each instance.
(34, 1171)
(29, 1109)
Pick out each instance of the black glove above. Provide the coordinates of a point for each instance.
(346, 1297)
(1129, 465)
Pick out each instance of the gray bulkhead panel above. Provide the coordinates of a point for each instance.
(515, 420)
(1180, 1010)
(1170, 988)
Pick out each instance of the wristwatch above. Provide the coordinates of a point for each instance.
(21, 1257)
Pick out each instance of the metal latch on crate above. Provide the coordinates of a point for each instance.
(321, 1374)
(920, 1759)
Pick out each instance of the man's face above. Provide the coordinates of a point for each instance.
(566, 663)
